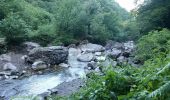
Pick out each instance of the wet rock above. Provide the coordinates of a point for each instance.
(98, 53)
(5, 73)
(53, 55)
(92, 48)
(13, 77)
(5, 57)
(92, 65)
(64, 65)
(39, 65)
(53, 91)
(85, 57)
(30, 45)
(101, 58)
(44, 95)
(9, 67)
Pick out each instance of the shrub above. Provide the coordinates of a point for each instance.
(14, 29)
(154, 44)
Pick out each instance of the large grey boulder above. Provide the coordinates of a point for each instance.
(89, 47)
(50, 55)
(85, 57)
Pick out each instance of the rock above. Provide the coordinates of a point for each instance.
(53, 55)
(118, 45)
(39, 65)
(92, 65)
(10, 67)
(72, 46)
(109, 44)
(121, 59)
(98, 54)
(5, 57)
(85, 57)
(8, 73)
(129, 46)
(101, 58)
(114, 53)
(64, 65)
(30, 45)
(84, 42)
(90, 48)
(53, 91)
(44, 95)
(13, 77)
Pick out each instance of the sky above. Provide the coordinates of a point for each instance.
(127, 4)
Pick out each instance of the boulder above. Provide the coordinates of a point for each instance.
(100, 58)
(5, 57)
(121, 59)
(9, 67)
(53, 55)
(98, 53)
(92, 65)
(39, 65)
(90, 48)
(85, 57)
(114, 53)
(64, 65)
(118, 45)
(30, 45)
(129, 46)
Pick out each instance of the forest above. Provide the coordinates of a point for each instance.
(67, 22)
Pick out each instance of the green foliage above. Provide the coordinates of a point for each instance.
(14, 29)
(154, 44)
(153, 14)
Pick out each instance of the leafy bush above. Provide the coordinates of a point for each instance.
(154, 44)
(14, 29)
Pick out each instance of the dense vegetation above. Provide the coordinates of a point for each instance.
(62, 22)
(70, 21)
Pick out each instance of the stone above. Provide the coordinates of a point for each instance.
(129, 46)
(98, 54)
(39, 65)
(64, 65)
(121, 59)
(30, 45)
(10, 67)
(101, 58)
(85, 57)
(91, 48)
(114, 53)
(92, 65)
(53, 55)
(72, 46)
(5, 57)
(109, 44)
(53, 91)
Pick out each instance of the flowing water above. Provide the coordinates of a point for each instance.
(38, 84)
